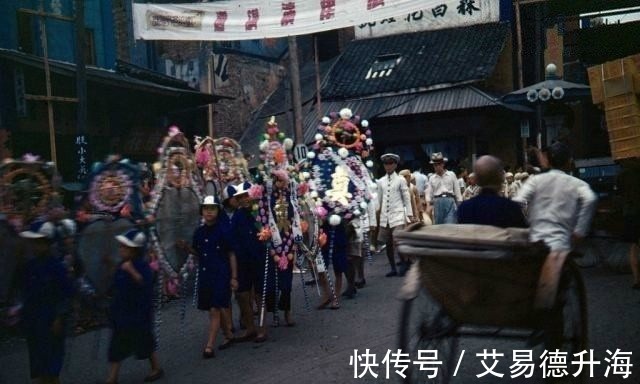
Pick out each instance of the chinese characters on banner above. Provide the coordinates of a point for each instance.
(551, 364)
(443, 14)
(82, 156)
(258, 19)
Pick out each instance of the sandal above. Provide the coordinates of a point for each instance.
(225, 344)
(335, 305)
(324, 304)
(208, 353)
(260, 339)
(154, 376)
(248, 337)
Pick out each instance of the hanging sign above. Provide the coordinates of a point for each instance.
(259, 19)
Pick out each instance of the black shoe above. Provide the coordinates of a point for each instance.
(208, 353)
(226, 344)
(310, 282)
(392, 273)
(360, 284)
(159, 374)
(349, 293)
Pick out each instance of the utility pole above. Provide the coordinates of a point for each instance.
(48, 98)
(294, 71)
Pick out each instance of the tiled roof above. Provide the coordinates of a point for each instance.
(427, 59)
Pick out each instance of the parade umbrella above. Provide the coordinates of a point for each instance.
(551, 89)
(98, 250)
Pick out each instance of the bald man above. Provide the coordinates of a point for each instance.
(489, 207)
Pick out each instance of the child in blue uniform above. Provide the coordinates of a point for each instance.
(249, 251)
(47, 291)
(131, 311)
(217, 273)
(334, 252)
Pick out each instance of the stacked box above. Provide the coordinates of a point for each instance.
(614, 86)
(623, 124)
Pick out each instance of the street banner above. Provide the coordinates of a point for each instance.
(447, 14)
(259, 19)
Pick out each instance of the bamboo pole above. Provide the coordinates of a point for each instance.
(47, 76)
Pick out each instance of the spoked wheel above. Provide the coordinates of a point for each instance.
(570, 330)
(425, 326)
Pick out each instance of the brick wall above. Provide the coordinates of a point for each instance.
(250, 81)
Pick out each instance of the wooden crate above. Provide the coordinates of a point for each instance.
(622, 111)
(625, 148)
(595, 82)
(618, 68)
(625, 132)
(620, 101)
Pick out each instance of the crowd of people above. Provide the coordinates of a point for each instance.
(255, 263)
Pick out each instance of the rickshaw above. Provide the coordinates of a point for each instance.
(477, 280)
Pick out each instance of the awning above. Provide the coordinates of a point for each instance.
(443, 100)
(115, 79)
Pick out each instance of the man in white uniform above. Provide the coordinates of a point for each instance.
(394, 205)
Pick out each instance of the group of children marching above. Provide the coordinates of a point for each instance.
(231, 256)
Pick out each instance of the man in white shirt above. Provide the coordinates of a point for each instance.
(560, 208)
(443, 192)
(394, 205)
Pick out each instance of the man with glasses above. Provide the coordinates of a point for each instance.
(394, 205)
(443, 192)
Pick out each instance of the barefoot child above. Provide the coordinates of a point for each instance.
(131, 311)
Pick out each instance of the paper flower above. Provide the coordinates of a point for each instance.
(345, 113)
(264, 234)
(322, 239)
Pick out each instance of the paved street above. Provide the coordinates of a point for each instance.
(318, 348)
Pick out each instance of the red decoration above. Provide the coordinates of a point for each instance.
(252, 23)
(328, 9)
(371, 4)
(288, 13)
(221, 18)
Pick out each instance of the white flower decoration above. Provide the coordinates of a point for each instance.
(264, 145)
(334, 220)
(318, 136)
(369, 141)
(326, 120)
(288, 144)
(364, 205)
(345, 113)
(343, 152)
(369, 164)
(364, 123)
(311, 155)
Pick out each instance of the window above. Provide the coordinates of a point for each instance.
(383, 66)
(25, 33)
(89, 47)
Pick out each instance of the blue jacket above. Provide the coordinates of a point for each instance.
(489, 208)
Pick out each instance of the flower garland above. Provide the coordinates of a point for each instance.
(342, 141)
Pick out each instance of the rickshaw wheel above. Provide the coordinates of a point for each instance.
(425, 326)
(571, 324)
